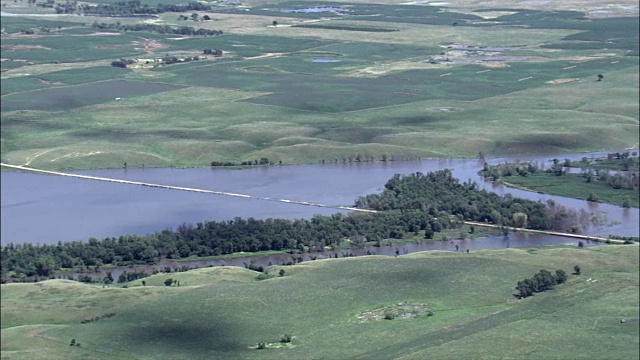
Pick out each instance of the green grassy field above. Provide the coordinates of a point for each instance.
(574, 185)
(504, 81)
(330, 308)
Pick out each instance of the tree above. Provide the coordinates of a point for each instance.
(108, 279)
(168, 282)
(577, 270)
(600, 77)
(275, 23)
(561, 276)
(194, 16)
(144, 283)
(281, 273)
(286, 338)
(206, 17)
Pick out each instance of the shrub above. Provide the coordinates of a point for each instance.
(286, 338)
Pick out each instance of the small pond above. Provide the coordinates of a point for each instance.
(325, 60)
(316, 10)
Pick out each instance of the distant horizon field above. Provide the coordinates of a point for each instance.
(505, 81)
(335, 308)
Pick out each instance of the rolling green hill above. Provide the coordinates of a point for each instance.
(336, 309)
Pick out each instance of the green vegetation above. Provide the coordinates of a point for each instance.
(625, 161)
(408, 207)
(424, 79)
(591, 185)
(225, 312)
(542, 281)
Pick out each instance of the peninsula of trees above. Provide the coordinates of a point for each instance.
(410, 205)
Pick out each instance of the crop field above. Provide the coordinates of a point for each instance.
(302, 84)
(335, 309)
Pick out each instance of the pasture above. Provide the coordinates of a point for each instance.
(575, 186)
(329, 307)
(305, 85)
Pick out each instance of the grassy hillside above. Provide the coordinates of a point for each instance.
(316, 86)
(334, 309)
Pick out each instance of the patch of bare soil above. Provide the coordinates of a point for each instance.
(494, 64)
(402, 310)
(148, 45)
(563, 81)
(47, 82)
(264, 56)
(98, 33)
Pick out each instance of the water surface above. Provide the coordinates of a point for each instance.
(46, 209)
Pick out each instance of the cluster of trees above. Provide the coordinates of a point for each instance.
(166, 60)
(105, 316)
(262, 161)
(160, 29)
(624, 161)
(122, 63)
(439, 194)
(627, 180)
(69, 7)
(372, 158)
(214, 52)
(135, 7)
(542, 281)
(411, 204)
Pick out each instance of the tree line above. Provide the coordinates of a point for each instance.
(409, 204)
(131, 7)
(625, 180)
(160, 29)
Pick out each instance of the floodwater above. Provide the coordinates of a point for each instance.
(46, 209)
(513, 240)
(316, 9)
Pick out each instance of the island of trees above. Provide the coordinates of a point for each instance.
(412, 205)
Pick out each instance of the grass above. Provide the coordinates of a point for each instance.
(224, 312)
(574, 185)
(384, 96)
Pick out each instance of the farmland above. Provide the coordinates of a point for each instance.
(304, 85)
(334, 308)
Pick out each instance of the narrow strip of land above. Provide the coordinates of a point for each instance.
(286, 201)
(213, 192)
(547, 232)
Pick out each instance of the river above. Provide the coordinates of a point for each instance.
(45, 209)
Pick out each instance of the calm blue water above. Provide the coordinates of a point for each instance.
(47, 209)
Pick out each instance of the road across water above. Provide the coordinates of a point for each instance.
(213, 192)
(297, 202)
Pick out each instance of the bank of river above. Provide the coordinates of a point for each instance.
(513, 240)
(47, 209)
